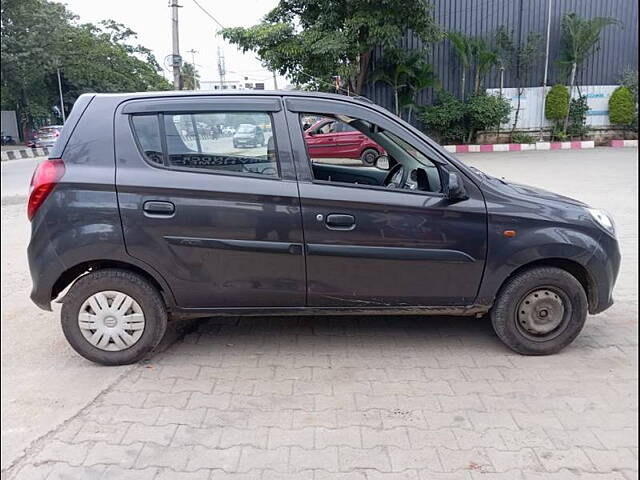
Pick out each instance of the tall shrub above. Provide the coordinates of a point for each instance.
(486, 112)
(556, 106)
(622, 106)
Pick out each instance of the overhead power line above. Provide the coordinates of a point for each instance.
(208, 14)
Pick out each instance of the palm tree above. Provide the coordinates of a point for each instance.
(485, 58)
(189, 77)
(395, 71)
(580, 38)
(462, 46)
(422, 76)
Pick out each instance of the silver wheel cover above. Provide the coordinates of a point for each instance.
(111, 321)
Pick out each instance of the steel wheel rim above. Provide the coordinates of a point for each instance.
(543, 314)
(111, 321)
(369, 158)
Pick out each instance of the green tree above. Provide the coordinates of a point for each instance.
(580, 39)
(309, 41)
(189, 77)
(39, 37)
(526, 56)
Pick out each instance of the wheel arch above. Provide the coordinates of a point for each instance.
(577, 270)
(69, 277)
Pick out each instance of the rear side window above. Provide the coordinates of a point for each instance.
(216, 142)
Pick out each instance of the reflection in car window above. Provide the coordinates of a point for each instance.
(232, 142)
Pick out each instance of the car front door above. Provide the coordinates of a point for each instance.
(222, 226)
(368, 246)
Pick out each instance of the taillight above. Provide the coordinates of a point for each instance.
(45, 177)
(56, 134)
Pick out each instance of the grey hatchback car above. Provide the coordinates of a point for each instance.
(139, 218)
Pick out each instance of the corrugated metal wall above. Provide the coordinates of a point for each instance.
(618, 44)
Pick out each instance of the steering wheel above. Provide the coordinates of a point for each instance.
(397, 176)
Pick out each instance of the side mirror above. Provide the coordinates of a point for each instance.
(454, 188)
(382, 162)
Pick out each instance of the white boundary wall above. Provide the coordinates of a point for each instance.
(532, 104)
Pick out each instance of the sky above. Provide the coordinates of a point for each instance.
(151, 20)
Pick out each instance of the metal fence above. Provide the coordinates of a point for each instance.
(618, 44)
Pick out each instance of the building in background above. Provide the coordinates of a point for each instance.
(618, 48)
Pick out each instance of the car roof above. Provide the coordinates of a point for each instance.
(242, 93)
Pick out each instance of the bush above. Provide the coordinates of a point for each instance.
(522, 137)
(487, 111)
(445, 118)
(558, 133)
(556, 106)
(578, 109)
(622, 106)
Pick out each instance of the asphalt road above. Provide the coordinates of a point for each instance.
(45, 385)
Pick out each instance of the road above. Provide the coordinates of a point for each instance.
(367, 397)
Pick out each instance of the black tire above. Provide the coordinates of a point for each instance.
(368, 156)
(143, 292)
(514, 332)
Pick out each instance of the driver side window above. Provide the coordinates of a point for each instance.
(348, 150)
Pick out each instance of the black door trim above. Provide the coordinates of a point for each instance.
(238, 245)
(390, 253)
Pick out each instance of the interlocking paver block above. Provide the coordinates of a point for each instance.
(121, 455)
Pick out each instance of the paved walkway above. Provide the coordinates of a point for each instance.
(378, 398)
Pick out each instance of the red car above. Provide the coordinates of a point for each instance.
(330, 138)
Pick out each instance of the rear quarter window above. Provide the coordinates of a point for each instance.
(147, 129)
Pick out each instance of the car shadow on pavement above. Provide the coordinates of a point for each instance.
(335, 335)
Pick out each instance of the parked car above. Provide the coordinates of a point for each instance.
(47, 136)
(331, 138)
(248, 135)
(164, 231)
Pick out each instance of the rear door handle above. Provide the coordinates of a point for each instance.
(159, 208)
(340, 221)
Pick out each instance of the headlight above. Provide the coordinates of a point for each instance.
(603, 219)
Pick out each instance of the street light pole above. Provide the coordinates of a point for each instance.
(64, 118)
(175, 61)
(546, 68)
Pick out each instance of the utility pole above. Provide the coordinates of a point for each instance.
(275, 81)
(176, 60)
(64, 118)
(222, 71)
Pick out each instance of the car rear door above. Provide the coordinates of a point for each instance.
(368, 246)
(222, 226)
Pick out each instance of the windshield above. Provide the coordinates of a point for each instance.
(245, 128)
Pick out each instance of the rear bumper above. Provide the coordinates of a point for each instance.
(603, 267)
(44, 265)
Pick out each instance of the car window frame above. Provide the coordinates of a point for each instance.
(165, 153)
(437, 165)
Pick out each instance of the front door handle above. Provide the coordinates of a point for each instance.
(159, 208)
(340, 221)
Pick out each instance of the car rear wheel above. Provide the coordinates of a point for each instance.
(540, 311)
(113, 317)
(369, 156)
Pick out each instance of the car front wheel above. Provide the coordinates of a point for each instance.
(369, 156)
(113, 317)
(540, 311)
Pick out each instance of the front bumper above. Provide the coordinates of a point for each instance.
(603, 267)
